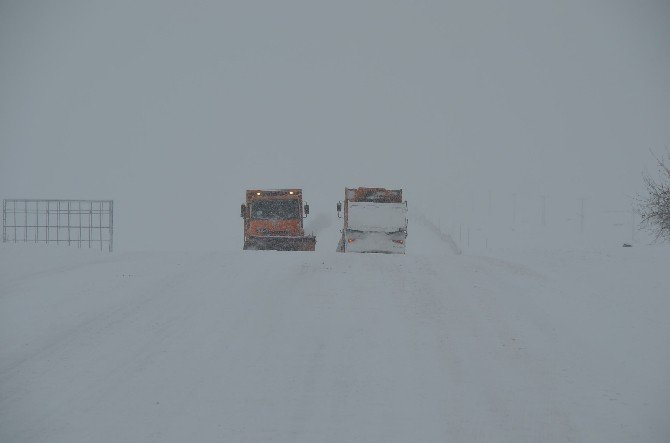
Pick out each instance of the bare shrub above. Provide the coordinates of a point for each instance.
(654, 208)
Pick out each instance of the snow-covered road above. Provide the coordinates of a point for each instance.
(265, 346)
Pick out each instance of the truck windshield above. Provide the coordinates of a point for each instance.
(275, 209)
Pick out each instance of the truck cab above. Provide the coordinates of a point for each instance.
(273, 220)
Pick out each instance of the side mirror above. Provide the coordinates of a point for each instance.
(306, 209)
(243, 210)
(339, 209)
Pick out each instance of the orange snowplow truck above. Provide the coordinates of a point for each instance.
(273, 221)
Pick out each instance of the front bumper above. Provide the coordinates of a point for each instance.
(383, 242)
(307, 243)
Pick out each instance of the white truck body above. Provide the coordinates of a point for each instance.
(377, 217)
(376, 227)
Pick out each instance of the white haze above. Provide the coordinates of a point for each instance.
(173, 109)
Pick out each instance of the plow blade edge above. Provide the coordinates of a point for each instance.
(280, 243)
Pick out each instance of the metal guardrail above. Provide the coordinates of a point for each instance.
(75, 222)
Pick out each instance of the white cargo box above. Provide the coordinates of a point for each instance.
(377, 217)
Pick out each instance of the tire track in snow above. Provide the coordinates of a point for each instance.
(54, 365)
(303, 347)
(487, 357)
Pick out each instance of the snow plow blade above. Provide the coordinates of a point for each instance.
(280, 243)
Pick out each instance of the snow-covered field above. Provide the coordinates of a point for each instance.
(516, 346)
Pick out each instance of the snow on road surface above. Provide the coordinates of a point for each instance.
(325, 347)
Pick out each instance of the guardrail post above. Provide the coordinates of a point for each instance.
(46, 228)
(111, 225)
(4, 221)
(90, 224)
(79, 212)
(68, 223)
(14, 217)
(100, 226)
(57, 223)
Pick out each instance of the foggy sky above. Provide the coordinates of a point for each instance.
(173, 109)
